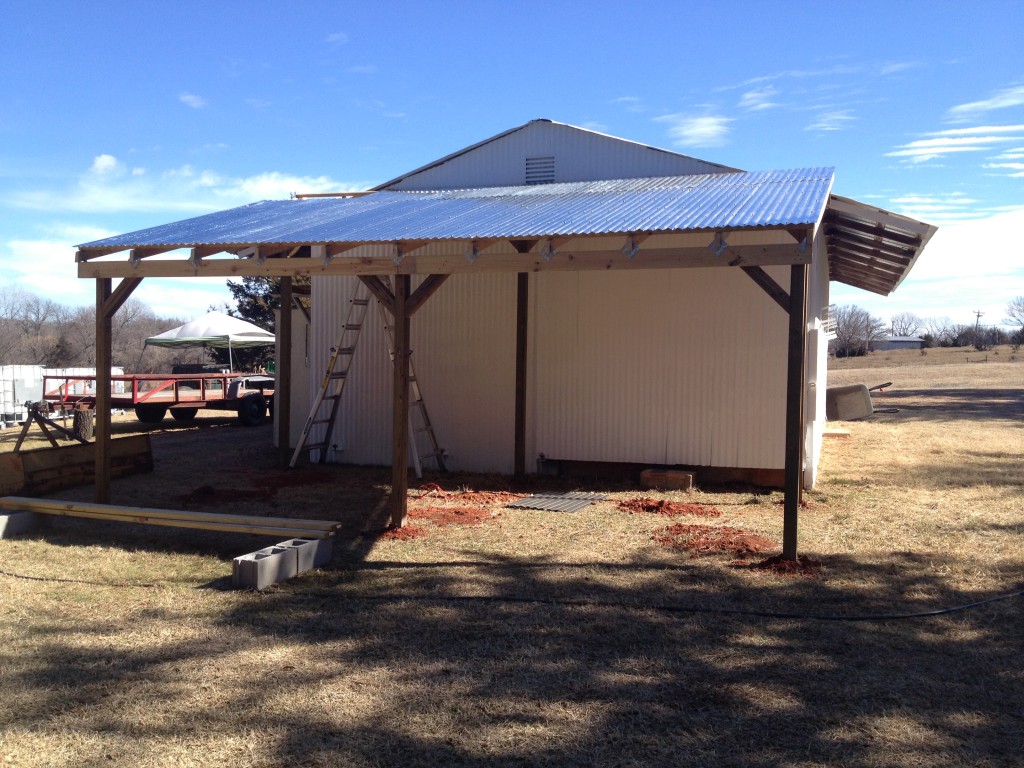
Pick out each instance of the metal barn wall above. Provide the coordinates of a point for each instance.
(817, 361)
(579, 156)
(664, 367)
(463, 342)
(653, 366)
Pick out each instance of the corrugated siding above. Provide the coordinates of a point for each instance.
(660, 367)
(463, 343)
(579, 155)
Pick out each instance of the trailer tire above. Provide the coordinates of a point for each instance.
(252, 410)
(148, 413)
(184, 414)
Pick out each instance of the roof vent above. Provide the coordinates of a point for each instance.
(540, 170)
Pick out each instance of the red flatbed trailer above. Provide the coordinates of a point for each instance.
(152, 395)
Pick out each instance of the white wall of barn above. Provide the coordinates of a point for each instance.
(680, 366)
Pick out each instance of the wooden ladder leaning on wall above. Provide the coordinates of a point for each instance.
(326, 404)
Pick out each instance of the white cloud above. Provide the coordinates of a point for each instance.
(191, 100)
(954, 141)
(898, 66)
(697, 130)
(836, 120)
(759, 98)
(106, 188)
(629, 103)
(1008, 97)
(336, 38)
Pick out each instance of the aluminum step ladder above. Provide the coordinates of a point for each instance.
(327, 403)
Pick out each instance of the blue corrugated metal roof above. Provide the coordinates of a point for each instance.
(790, 198)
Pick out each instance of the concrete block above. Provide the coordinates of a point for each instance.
(16, 523)
(848, 403)
(264, 567)
(666, 479)
(311, 553)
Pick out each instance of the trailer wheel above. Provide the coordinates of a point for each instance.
(148, 413)
(184, 414)
(252, 410)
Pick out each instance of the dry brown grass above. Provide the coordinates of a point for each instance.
(542, 638)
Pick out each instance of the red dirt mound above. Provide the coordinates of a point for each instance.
(802, 566)
(654, 507)
(709, 539)
(404, 533)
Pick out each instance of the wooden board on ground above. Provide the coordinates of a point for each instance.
(12, 476)
(49, 469)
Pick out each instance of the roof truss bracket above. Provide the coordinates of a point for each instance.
(719, 244)
(769, 286)
(136, 255)
(475, 246)
(195, 258)
(632, 246)
(549, 246)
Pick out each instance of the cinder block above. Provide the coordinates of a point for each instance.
(311, 553)
(848, 403)
(666, 479)
(15, 523)
(264, 567)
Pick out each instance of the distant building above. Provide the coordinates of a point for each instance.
(897, 342)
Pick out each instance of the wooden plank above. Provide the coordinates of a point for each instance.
(795, 387)
(400, 406)
(522, 332)
(261, 530)
(49, 469)
(56, 506)
(12, 474)
(283, 383)
(425, 290)
(769, 286)
(456, 263)
(101, 433)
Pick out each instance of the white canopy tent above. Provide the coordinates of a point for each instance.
(215, 330)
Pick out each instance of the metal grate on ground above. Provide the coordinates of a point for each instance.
(572, 501)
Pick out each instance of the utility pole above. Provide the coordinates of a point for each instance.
(977, 327)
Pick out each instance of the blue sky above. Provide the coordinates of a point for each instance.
(116, 116)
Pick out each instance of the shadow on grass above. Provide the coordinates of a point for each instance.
(953, 404)
(519, 661)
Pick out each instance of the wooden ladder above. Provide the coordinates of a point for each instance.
(421, 424)
(327, 403)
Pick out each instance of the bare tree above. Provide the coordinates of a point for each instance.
(1015, 311)
(939, 331)
(905, 324)
(856, 329)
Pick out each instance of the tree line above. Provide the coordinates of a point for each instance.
(39, 331)
(857, 330)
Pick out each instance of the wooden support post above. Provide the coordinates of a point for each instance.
(522, 327)
(795, 386)
(283, 374)
(103, 358)
(400, 405)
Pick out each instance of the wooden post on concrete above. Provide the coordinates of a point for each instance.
(522, 329)
(795, 386)
(283, 374)
(400, 405)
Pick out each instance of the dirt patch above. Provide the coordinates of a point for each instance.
(442, 516)
(709, 539)
(802, 566)
(404, 533)
(433, 490)
(649, 506)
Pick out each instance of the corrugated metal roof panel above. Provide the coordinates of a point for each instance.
(662, 204)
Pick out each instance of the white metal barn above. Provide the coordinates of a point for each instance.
(576, 296)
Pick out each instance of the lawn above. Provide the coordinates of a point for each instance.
(488, 636)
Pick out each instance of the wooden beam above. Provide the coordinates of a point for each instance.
(400, 406)
(795, 388)
(283, 374)
(565, 260)
(101, 429)
(120, 295)
(769, 286)
(424, 291)
(380, 291)
(522, 334)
